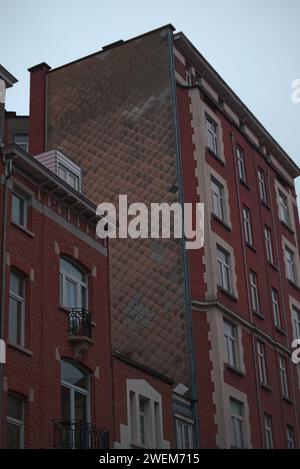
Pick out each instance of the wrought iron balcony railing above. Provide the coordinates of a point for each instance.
(80, 322)
(70, 434)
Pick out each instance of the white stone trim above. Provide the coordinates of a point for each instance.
(140, 388)
(230, 392)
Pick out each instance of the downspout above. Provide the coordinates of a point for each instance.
(7, 175)
(233, 143)
(185, 260)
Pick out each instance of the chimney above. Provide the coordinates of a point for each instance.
(37, 109)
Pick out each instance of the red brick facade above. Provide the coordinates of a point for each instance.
(169, 311)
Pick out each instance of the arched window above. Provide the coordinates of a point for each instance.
(73, 285)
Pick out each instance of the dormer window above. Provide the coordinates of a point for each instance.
(62, 166)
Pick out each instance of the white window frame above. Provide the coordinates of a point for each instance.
(16, 195)
(237, 421)
(254, 292)
(184, 428)
(284, 376)
(241, 164)
(268, 427)
(20, 300)
(218, 200)
(144, 416)
(23, 144)
(212, 134)
(224, 269)
(284, 212)
(66, 277)
(262, 185)
(290, 259)
(68, 175)
(231, 344)
(247, 225)
(269, 244)
(290, 437)
(16, 422)
(262, 363)
(276, 307)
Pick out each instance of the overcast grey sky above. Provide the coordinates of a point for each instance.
(253, 44)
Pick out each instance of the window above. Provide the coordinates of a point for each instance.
(254, 292)
(290, 265)
(189, 75)
(15, 423)
(71, 178)
(262, 186)
(290, 437)
(184, 434)
(217, 193)
(75, 406)
(237, 424)
(19, 210)
(283, 376)
(247, 225)
(262, 363)
(224, 275)
(283, 208)
(212, 134)
(269, 245)
(275, 307)
(16, 309)
(145, 411)
(142, 420)
(22, 141)
(73, 285)
(231, 343)
(241, 164)
(296, 315)
(268, 431)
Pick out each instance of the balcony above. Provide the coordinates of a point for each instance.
(69, 434)
(80, 330)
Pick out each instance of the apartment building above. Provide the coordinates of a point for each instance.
(150, 118)
(61, 386)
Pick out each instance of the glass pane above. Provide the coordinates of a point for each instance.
(62, 173)
(16, 284)
(235, 407)
(13, 436)
(80, 407)
(65, 403)
(73, 375)
(15, 408)
(71, 294)
(18, 210)
(15, 321)
(83, 297)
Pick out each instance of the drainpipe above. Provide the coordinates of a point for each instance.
(8, 169)
(185, 260)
